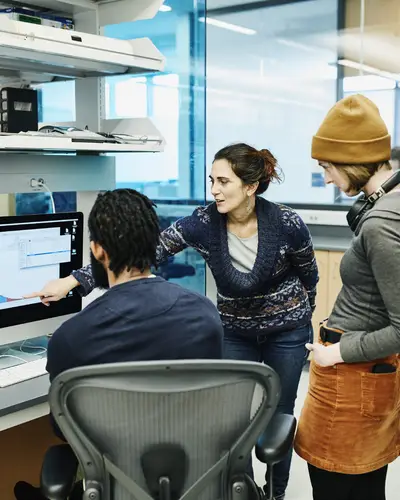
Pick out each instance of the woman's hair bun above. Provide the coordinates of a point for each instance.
(270, 165)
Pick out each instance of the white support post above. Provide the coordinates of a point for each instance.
(89, 99)
(88, 91)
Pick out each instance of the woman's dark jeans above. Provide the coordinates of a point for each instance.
(285, 352)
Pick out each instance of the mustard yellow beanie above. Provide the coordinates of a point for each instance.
(352, 132)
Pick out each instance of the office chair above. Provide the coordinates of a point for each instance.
(179, 430)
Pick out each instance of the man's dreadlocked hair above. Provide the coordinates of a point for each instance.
(124, 222)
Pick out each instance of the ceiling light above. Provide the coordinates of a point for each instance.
(165, 8)
(228, 26)
(367, 69)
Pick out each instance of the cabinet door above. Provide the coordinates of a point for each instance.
(321, 309)
(4, 205)
(334, 280)
(26, 446)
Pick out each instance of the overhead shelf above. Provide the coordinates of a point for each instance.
(109, 11)
(41, 53)
(25, 143)
(143, 135)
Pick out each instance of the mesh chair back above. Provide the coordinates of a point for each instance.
(204, 416)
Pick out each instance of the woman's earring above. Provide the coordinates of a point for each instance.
(248, 205)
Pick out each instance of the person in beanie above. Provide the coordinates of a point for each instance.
(349, 427)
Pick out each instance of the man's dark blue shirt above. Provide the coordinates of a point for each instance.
(141, 320)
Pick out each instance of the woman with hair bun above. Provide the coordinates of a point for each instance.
(262, 259)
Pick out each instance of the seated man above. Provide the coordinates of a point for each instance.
(140, 317)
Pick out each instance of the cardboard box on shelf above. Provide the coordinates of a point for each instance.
(35, 17)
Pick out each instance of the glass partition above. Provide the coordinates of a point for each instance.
(274, 88)
(175, 101)
(274, 69)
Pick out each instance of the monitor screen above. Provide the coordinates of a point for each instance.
(36, 249)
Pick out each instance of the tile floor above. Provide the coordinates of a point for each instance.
(299, 486)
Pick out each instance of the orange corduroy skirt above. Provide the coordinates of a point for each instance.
(350, 422)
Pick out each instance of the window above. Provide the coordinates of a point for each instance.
(275, 88)
(174, 102)
(126, 97)
(53, 108)
(156, 97)
(382, 91)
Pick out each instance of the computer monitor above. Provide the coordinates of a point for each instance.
(35, 249)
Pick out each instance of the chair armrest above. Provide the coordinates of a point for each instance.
(277, 439)
(58, 473)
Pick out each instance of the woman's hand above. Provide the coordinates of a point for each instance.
(54, 290)
(326, 355)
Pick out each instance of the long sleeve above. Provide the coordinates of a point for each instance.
(86, 281)
(184, 233)
(302, 256)
(382, 247)
(172, 240)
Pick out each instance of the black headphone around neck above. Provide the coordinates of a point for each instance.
(362, 205)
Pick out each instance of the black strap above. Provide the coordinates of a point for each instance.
(329, 336)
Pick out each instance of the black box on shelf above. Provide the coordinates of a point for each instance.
(18, 110)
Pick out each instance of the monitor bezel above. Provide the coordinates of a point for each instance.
(34, 313)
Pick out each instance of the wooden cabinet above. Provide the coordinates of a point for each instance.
(23, 449)
(329, 285)
(334, 284)
(5, 204)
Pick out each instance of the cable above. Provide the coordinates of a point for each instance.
(39, 183)
(44, 185)
(43, 350)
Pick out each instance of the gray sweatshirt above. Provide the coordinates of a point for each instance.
(368, 306)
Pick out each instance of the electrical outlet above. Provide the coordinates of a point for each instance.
(37, 183)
